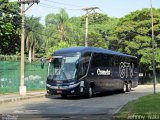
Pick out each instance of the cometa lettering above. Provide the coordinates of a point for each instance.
(103, 72)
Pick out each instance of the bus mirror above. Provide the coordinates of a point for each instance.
(42, 65)
(77, 63)
(81, 60)
(42, 62)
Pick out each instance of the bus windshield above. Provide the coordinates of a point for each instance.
(63, 67)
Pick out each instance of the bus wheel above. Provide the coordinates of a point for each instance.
(90, 92)
(129, 86)
(63, 96)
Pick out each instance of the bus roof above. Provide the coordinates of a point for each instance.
(72, 50)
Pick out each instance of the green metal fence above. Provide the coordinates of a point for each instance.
(35, 77)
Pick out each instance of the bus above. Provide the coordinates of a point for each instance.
(90, 70)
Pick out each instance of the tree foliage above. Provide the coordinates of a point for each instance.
(134, 35)
(33, 35)
(130, 34)
(9, 27)
(59, 20)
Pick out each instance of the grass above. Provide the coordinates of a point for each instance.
(144, 108)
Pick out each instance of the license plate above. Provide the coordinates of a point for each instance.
(59, 91)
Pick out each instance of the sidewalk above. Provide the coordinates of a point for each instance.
(16, 97)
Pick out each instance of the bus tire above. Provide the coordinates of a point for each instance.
(129, 86)
(90, 92)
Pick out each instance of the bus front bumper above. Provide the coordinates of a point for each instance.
(74, 89)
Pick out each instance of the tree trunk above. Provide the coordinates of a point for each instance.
(30, 54)
(33, 52)
(62, 36)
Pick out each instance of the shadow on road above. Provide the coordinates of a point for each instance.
(102, 94)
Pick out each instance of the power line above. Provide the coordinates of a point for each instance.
(64, 3)
(48, 6)
(55, 7)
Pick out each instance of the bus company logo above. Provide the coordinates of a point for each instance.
(126, 70)
(103, 72)
(59, 81)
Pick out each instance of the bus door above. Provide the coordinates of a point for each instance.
(83, 66)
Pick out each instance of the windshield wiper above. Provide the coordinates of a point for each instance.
(64, 74)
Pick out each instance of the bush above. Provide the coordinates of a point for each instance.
(9, 58)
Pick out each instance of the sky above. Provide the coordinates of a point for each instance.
(113, 8)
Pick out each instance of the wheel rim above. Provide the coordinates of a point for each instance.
(124, 87)
(90, 92)
(129, 86)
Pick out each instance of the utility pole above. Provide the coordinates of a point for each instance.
(86, 34)
(88, 10)
(22, 87)
(153, 53)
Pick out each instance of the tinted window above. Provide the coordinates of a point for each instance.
(107, 60)
(135, 62)
(97, 60)
(83, 64)
(101, 60)
(116, 60)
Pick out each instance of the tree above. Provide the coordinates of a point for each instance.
(101, 29)
(10, 20)
(75, 32)
(50, 32)
(33, 35)
(134, 34)
(59, 20)
(107, 31)
(96, 40)
(59, 45)
(59, 27)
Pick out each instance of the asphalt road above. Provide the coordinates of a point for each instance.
(102, 106)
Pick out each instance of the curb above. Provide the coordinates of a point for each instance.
(19, 98)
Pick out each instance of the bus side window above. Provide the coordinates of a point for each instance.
(83, 68)
(113, 61)
(84, 64)
(97, 60)
(135, 62)
(116, 61)
(107, 60)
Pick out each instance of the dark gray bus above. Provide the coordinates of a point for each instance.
(90, 70)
